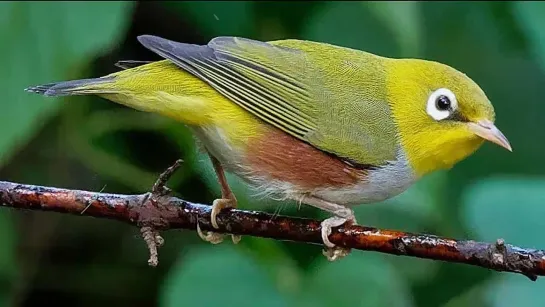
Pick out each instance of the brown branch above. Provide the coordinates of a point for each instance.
(159, 211)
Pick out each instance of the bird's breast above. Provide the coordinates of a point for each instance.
(380, 184)
(284, 158)
(279, 165)
(271, 154)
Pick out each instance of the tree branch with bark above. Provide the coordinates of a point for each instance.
(158, 210)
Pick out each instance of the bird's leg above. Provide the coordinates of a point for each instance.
(227, 200)
(343, 215)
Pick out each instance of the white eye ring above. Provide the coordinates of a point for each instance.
(441, 104)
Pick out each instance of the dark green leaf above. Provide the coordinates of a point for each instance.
(508, 208)
(529, 15)
(512, 209)
(44, 42)
(515, 290)
(219, 276)
(9, 265)
(361, 279)
(404, 19)
(352, 25)
(215, 18)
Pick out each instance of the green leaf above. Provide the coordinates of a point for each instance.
(357, 280)
(510, 208)
(45, 42)
(471, 297)
(7, 241)
(421, 200)
(404, 19)
(530, 18)
(219, 276)
(232, 18)
(515, 290)
(352, 25)
(8, 257)
(506, 207)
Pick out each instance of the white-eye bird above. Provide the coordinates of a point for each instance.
(328, 126)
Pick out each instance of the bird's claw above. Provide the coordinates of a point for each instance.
(333, 252)
(214, 237)
(217, 206)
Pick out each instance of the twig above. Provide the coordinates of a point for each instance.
(167, 212)
(149, 232)
(159, 188)
(153, 241)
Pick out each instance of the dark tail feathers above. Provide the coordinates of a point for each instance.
(75, 87)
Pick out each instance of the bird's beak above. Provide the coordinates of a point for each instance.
(488, 131)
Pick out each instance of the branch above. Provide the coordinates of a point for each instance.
(158, 211)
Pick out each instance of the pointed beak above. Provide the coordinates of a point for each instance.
(488, 131)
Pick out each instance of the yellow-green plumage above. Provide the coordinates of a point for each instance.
(357, 127)
(288, 85)
(338, 99)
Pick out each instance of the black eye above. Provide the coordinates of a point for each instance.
(443, 103)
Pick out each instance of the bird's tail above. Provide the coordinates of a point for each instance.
(102, 85)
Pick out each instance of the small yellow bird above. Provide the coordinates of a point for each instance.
(324, 125)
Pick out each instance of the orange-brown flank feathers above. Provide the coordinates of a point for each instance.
(280, 156)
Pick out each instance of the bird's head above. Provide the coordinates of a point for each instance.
(442, 115)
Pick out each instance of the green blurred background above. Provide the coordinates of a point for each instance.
(90, 143)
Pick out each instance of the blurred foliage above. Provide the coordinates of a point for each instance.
(90, 143)
(55, 30)
(493, 200)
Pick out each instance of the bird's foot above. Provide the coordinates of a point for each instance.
(215, 237)
(209, 236)
(217, 206)
(227, 200)
(342, 215)
(333, 252)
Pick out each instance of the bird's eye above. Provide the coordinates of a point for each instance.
(441, 104)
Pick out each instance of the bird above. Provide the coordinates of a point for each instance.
(324, 125)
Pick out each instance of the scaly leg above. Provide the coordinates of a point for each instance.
(342, 215)
(227, 200)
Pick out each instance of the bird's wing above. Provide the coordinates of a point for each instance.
(274, 83)
(242, 70)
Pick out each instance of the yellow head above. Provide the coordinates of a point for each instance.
(442, 115)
